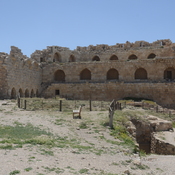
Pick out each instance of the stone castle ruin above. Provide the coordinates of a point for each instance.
(101, 72)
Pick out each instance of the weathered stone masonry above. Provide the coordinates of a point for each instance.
(102, 72)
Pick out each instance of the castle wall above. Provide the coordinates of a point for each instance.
(89, 72)
(142, 77)
(22, 74)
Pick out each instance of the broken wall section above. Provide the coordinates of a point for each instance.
(23, 74)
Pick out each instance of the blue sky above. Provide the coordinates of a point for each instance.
(35, 24)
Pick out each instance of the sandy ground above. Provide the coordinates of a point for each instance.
(104, 157)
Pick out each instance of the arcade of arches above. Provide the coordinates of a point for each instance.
(20, 93)
(113, 74)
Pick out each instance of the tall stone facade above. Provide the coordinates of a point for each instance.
(102, 72)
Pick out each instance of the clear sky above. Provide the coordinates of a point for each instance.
(35, 24)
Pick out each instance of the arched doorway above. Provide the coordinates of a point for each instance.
(169, 73)
(85, 75)
(112, 74)
(72, 58)
(21, 92)
(26, 93)
(140, 74)
(57, 57)
(13, 93)
(59, 76)
(32, 93)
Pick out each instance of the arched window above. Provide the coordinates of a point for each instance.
(32, 93)
(85, 75)
(59, 76)
(95, 58)
(13, 93)
(42, 60)
(72, 58)
(20, 92)
(132, 57)
(112, 74)
(151, 56)
(141, 74)
(57, 57)
(169, 73)
(26, 93)
(113, 57)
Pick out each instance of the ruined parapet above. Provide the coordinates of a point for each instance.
(124, 46)
(165, 42)
(40, 55)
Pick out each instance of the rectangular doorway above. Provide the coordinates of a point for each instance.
(57, 92)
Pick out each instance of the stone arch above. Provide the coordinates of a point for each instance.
(57, 57)
(21, 92)
(26, 93)
(72, 58)
(13, 93)
(169, 73)
(32, 93)
(37, 93)
(151, 56)
(112, 74)
(113, 57)
(59, 76)
(132, 57)
(96, 58)
(85, 74)
(140, 74)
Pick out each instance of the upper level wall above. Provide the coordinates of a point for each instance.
(142, 49)
(155, 69)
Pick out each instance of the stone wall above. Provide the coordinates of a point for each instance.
(161, 146)
(142, 49)
(23, 75)
(162, 93)
(3, 76)
(101, 72)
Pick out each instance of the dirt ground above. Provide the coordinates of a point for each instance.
(90, 150)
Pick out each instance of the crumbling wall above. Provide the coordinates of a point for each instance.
(142, 49)
(3, 76)
(161, 146)
(22, 74)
